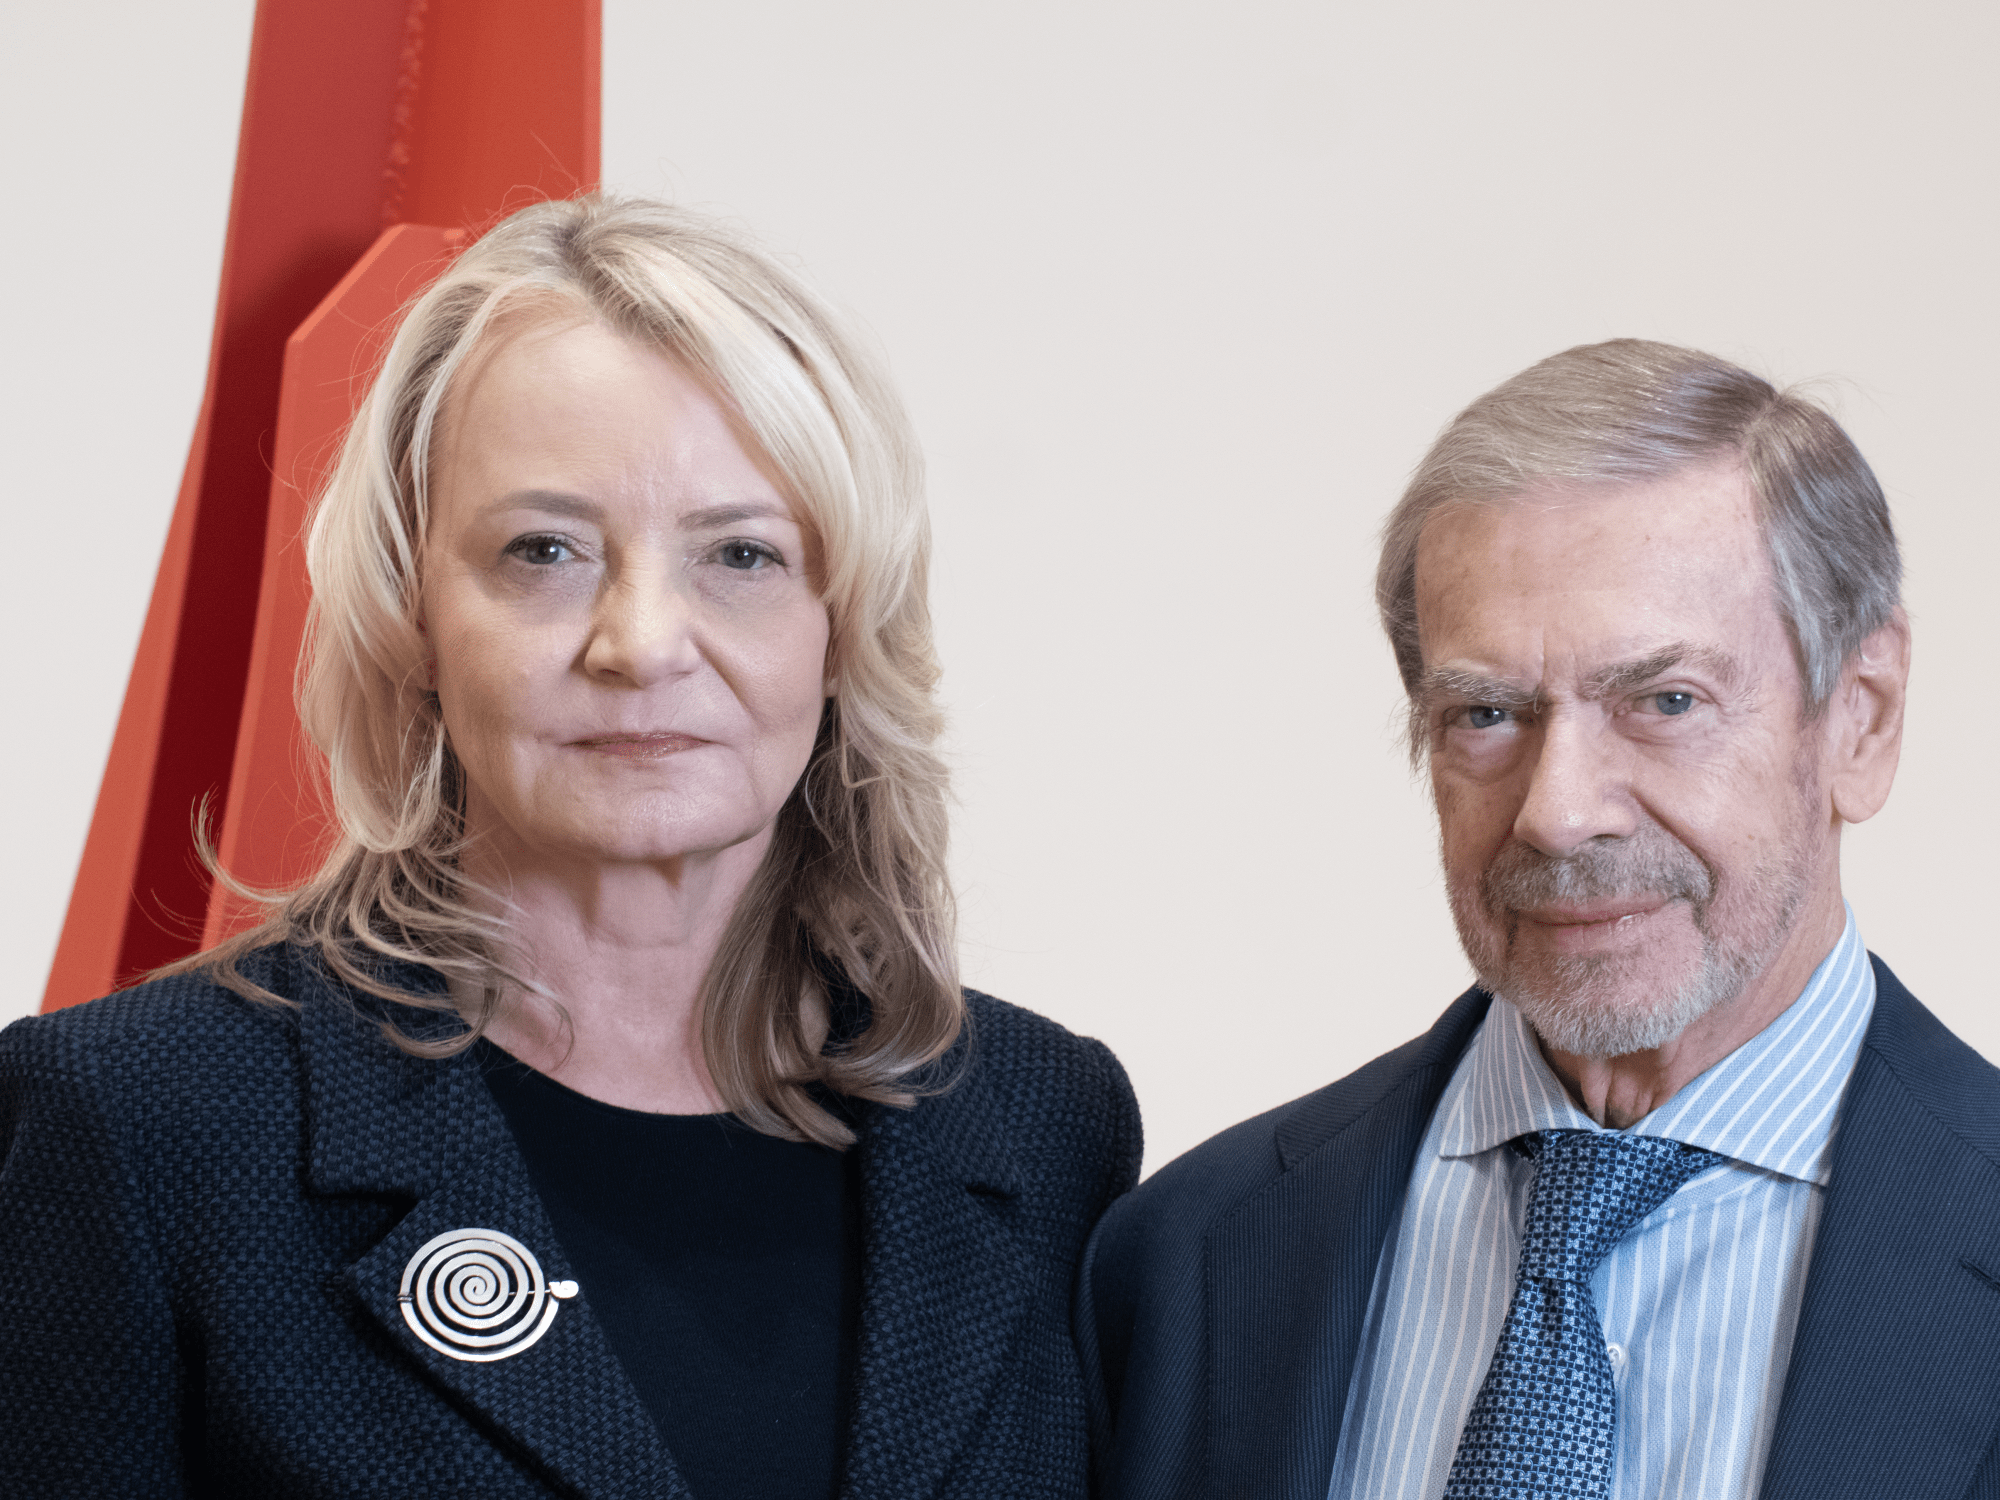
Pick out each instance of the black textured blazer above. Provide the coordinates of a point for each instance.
(207, 1207)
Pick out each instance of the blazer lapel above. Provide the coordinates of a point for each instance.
(1290, 1272)
(944, 1287)
(1893, 1386)
(380, 1121)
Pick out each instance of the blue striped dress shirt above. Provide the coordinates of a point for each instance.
(1699, 1301)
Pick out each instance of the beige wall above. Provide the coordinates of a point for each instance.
(120, 119)
(1178, 294)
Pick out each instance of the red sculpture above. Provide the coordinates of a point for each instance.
(376, 133)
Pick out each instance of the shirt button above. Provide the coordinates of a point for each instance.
(1616, 1354)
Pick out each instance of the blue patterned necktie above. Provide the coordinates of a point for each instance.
(1541, 1426)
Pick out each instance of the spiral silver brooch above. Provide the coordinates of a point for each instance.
(478, 1294)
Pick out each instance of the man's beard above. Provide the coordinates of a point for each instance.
(1606, 1005)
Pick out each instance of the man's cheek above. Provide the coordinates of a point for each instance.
(1473, 821)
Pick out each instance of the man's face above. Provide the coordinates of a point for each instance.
(1632, 808)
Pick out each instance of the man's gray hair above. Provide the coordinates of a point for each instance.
(1629, 411)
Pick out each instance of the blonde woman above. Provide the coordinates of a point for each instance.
(605, 1117)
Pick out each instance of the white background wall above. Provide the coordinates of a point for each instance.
(1178, 293)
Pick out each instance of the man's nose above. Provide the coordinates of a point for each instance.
(1577, 786)
(642, 630)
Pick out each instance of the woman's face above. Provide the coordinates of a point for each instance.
(630, 655)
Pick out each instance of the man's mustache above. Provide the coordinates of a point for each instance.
(1652, 862)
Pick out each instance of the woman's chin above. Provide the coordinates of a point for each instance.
(645, 845)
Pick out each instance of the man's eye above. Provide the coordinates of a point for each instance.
(541, 550)
(745, 555)
(1485, 716)
(1671, 704)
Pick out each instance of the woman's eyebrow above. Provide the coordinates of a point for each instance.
(582, 508)
(552, 502)
(728, 515)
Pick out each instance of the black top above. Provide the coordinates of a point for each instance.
(724, 1266)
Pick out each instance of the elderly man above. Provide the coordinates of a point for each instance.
(1688, 1197)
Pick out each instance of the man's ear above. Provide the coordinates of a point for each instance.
(1864, 722)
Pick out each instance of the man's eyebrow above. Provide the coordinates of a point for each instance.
(1460, 686)
(1624, 676)
(1473, 687)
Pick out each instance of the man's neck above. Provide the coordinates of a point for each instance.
(1618, 1092)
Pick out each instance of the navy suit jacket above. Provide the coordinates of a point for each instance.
(206, 1206)
(1222, 1302)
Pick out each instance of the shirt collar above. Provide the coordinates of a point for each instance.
(1771, 1103)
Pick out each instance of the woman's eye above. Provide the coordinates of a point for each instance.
(1485, 716)
(745, 555)
(1671, 704)
(541, 550)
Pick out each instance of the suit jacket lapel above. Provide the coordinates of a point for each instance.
(380, 1121)
(1893, 1387)
(944, 1286)
(1290, 1271)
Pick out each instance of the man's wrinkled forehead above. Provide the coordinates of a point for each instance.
(1602, 588)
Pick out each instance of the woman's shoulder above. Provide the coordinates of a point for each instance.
(1050, 1081)
(167, 1037)
(163, 1095)
(1014, 1040)
(185, 1007)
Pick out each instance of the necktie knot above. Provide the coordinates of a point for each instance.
(1591, 1187)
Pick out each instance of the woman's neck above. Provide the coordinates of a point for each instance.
(624, 948)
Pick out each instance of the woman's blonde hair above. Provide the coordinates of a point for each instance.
(853, 889)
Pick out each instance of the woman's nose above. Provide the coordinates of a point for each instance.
(1577, 787)
(642, 631)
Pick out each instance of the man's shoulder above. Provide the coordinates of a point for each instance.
(1943, 1074)
(1178, 1203)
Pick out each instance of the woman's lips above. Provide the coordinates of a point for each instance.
(639, 746)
